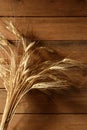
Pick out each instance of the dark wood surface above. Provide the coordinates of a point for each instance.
(53, 20)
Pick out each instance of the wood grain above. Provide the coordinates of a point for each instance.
(56, 101)
(43, 8)
(45, 122)
(49, 20)
(48, 28)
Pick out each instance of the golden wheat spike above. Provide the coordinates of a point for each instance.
(38, 67)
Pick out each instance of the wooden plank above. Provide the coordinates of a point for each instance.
(43, 8)
(45, 122)
(57, 101)
(48, 28)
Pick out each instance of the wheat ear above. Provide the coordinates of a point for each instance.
(37, 67)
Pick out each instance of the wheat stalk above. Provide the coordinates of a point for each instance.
(37, 67)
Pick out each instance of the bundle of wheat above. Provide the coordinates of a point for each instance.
(36, 67)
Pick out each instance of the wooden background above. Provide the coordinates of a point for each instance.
(57, 22)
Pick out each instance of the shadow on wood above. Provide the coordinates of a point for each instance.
(56, 101)
(47, 109)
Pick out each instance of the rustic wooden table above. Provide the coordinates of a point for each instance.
(63, 25)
